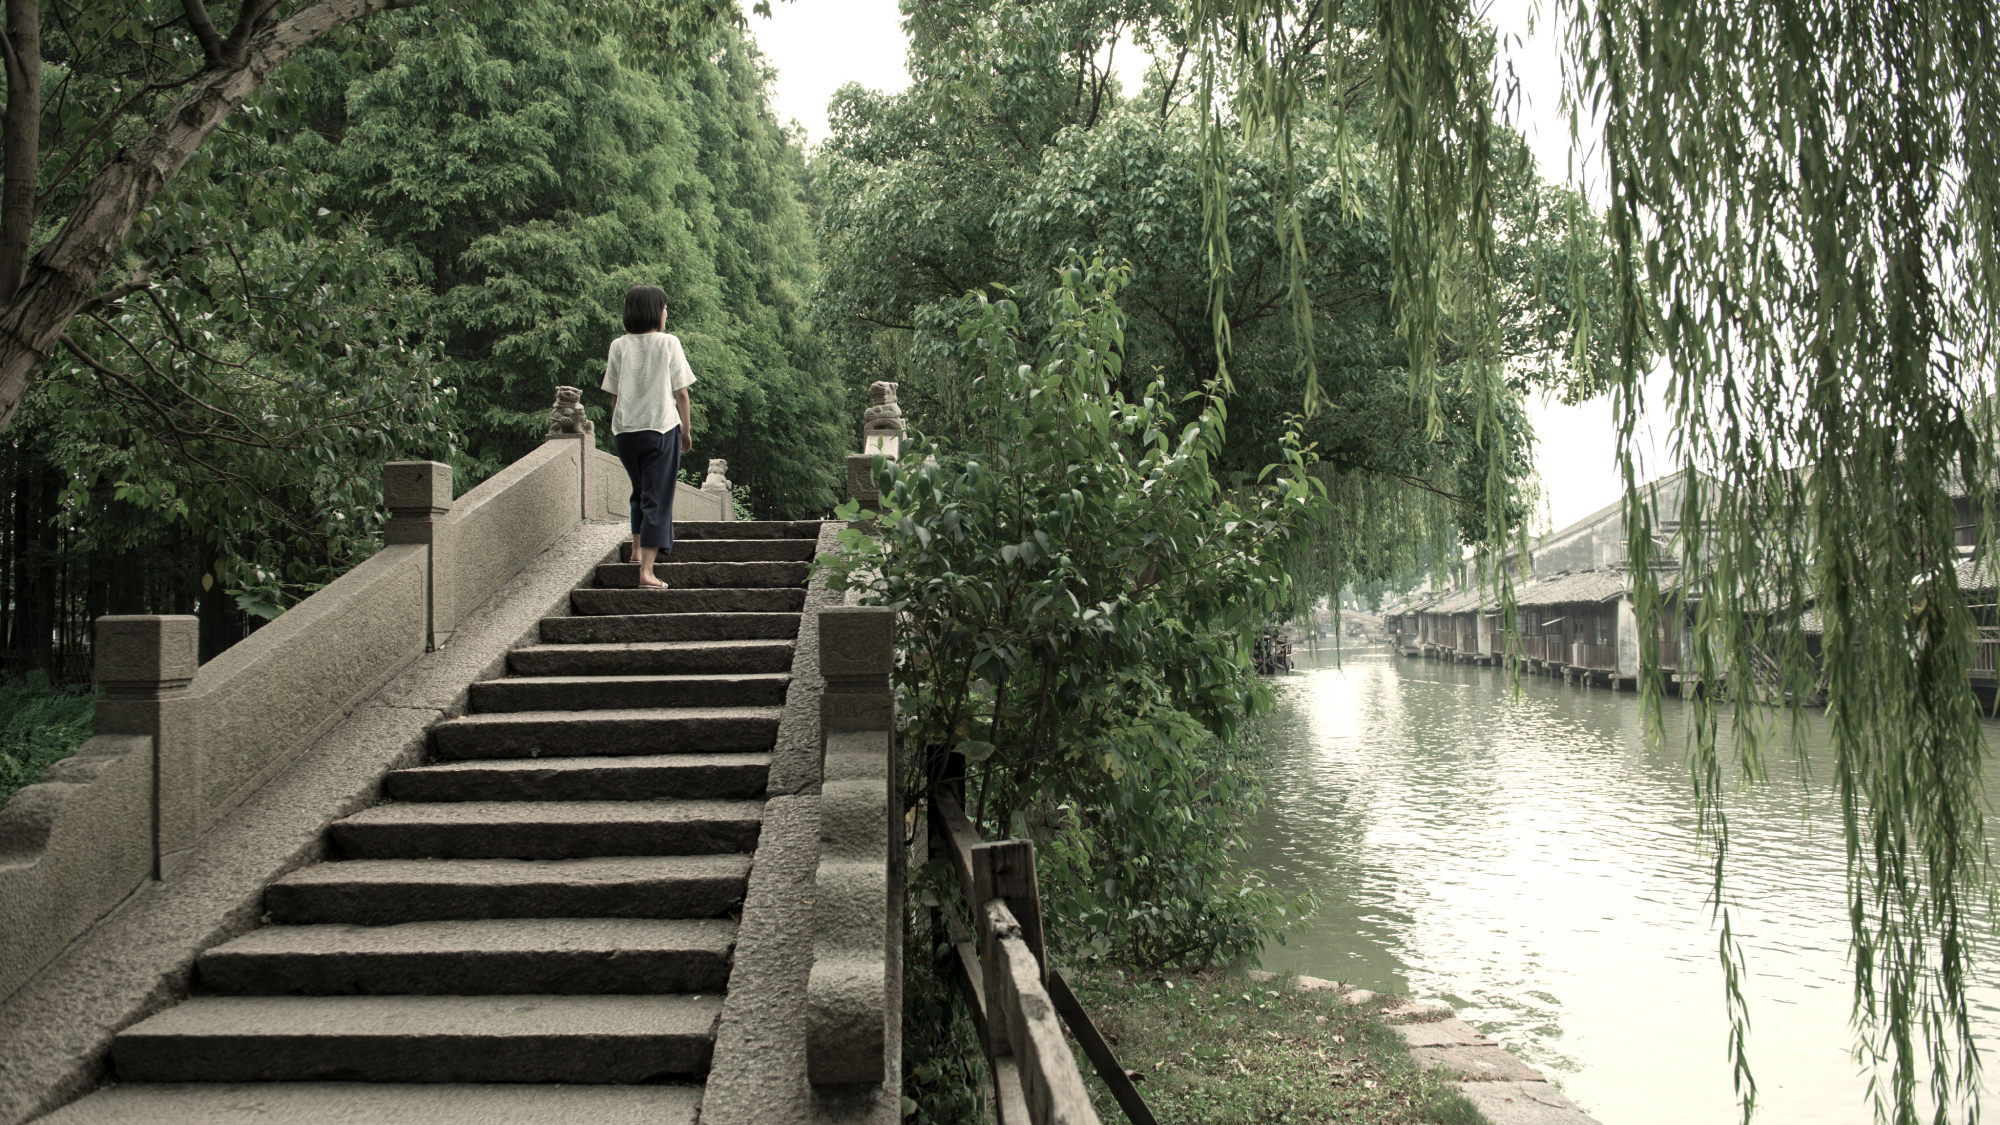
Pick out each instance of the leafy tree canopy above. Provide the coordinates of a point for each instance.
(1016, 147)
(525, 174)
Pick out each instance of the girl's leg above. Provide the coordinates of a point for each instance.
(670, 453)
(640, 453)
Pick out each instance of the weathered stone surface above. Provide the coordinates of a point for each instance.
(1443, 1033)
(608, 656)
(654, 628)
(421, 1039)
(382, 891)
(547, 829)
(1415, 1009)
(1524, 1103)
(691, 575)
(748, 529)
(72, 847)
(857, 642)
(369, 1103)
(623, 692)
(584, 779)
(1483, 1064)
(476, 957)
(656, 730)
(595, 602)
(419, 488)
(144, 652)
(844, 1021)
(733, 550)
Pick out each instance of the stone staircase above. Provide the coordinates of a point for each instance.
(550, 900)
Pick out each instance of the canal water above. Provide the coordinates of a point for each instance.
(1530, 861)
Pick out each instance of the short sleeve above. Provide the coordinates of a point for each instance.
(679, 374)
(610, 370)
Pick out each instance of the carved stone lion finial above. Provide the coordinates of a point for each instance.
(566, 417)
(883, 418)
(718, 476)
(882, 424)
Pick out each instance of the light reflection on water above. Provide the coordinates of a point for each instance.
(1533, 863)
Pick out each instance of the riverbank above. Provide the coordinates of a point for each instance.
(1215, 1046)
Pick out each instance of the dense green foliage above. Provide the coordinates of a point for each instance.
(40, 725)
(398, 249)
(988, 171)
(525, 174)
(1078, 593)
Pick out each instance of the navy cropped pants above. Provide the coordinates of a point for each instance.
(653, 461)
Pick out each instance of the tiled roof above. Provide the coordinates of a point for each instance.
(1590, 586)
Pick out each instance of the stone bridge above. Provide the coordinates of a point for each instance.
(480, 832)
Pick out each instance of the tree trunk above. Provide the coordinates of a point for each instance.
(20, 142)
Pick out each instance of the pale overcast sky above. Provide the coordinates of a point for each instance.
(819, 46)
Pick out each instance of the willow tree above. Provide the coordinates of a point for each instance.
(1803, 214)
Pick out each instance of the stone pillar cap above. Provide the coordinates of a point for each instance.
(145, 653)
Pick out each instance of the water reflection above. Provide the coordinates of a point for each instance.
(1531, 862)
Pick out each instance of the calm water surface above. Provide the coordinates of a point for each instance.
(1530, 861)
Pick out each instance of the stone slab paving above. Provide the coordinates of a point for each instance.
(364, 1103)
(1504, 1089)
(1524, 1103)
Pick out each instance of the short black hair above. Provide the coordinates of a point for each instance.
(643, 306)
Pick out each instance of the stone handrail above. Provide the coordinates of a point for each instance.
(178, 747)
(857, 920)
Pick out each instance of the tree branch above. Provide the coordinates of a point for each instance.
(204, 30)
(64, 273)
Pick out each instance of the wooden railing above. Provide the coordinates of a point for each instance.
(1013, 994)
(1985, 647)
(1599, 657)
(1533, 647)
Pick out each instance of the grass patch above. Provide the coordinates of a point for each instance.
(40, 725)
(1215, 1047)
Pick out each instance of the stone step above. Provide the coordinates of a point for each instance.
(631, 778)
(595, 602)
(649, 730)
(747, 529)
(380, 1103)
(478, 957)
(631, 657)
(732, 550)
(620, 693)
(676, 627)
(586, 1039)
(547, 829)
(710, 575)
(376, 892)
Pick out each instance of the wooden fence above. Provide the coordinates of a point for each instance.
(1013, 994)
(1603, 658)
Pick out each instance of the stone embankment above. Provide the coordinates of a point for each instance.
(1504, 1089)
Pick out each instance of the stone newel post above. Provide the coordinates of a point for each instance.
(566, 421)
(881, 435)
(857, 652)
(144, 665)
(418, 494)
